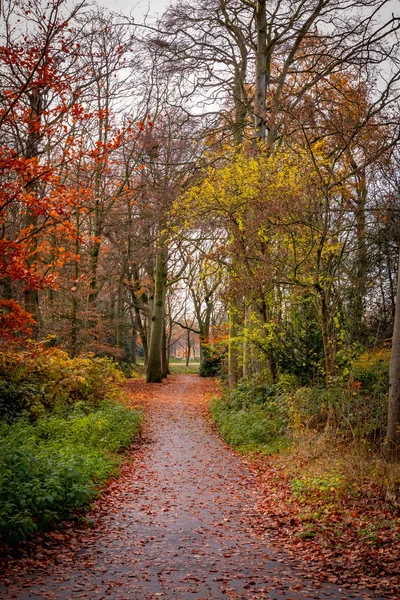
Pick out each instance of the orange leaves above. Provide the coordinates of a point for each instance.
(13, 318)
(142, 124)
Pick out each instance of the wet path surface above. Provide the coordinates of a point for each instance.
(179, 524)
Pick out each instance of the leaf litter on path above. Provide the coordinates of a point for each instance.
(180, 522)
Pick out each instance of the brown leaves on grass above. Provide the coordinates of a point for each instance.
(353, 540)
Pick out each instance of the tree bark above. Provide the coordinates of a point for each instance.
(328, 342)
(154, 368)
(31, 298)
(188, 347)
(118, 321)
(164, 353)
(141, 327)
(360, 283)
(133, 345)
(260, 18)
(246, 347)
(233, 350)
(393, 425)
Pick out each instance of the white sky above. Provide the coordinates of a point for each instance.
(137, 7)
(154, 7)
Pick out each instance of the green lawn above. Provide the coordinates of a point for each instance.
(182, 369)
(175, 367)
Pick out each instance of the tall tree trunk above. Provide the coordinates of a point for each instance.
(94, 263)
(75, 301)
(246, 346)
(141, 327)
(360, 284)
(134, 337)
(234, 323)
(240, 109)
(328, 342)
(164, 355)
(118, 318)
(260, 19)
(391, 285)
(393, 425)
(169, 340)
(188, 345)
(31, 298)
(133, 345)
(154, 371)
(270, 361)
(233, 348)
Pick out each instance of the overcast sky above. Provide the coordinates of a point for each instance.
(137, 7)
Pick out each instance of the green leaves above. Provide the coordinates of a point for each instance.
(252, 418)
(50, 469)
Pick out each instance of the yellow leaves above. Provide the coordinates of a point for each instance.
(225, 190)
(261, 183)
(332, 248)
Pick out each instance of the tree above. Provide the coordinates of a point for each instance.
(393, 426)
(39, 89)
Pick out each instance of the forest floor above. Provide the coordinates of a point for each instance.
(180, 522)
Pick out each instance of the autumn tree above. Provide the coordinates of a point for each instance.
(39, 89)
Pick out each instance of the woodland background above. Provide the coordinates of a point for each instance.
(223, 179)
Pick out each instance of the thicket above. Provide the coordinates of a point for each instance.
(266, 417)
(40, 380)
(212, 360)
(63, 425)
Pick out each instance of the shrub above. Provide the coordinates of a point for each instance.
(371, 370)
(211, 360)
(40, 380)
(51, 468)
(297, 345)
(248, 393)
(252, 416)
(347, 412)
(130, 370)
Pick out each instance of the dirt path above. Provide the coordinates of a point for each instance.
(179, 524)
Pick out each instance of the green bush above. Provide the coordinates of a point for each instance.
(252, 417)
(254, 414)
(248, 393)
(40, 380)
(346, 411)
(297, 345)
(371, 370)
(211, 361)
(51, 468)
(130, 370)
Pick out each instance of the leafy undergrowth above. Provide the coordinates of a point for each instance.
(38, 380)
(117, 453)
(331, 518)
(52, 468)
(250, 426)
(63, 423)
(329, 497)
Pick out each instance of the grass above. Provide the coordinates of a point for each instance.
(175, 367)
(182, 369)
(329, 485)
(323, 496)
(320, 464)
